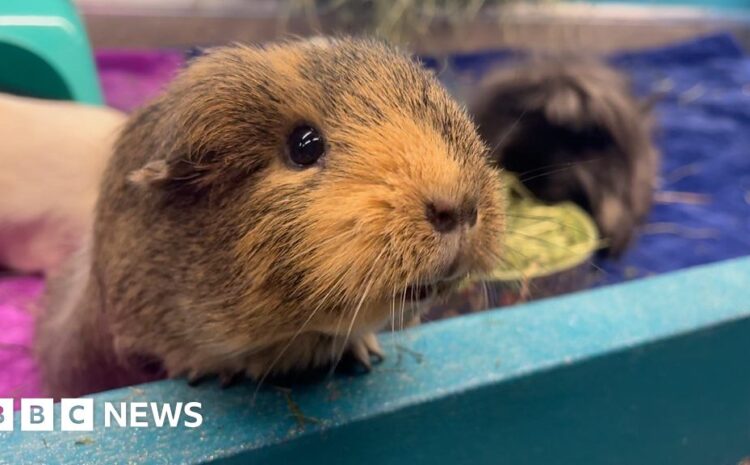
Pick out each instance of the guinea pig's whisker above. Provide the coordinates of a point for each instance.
(394, 308)
(281, 354)
(334, 350)
(334, 287)
(411, 304)
(567, 164)
(546, 173)
(341, 317)
(508, 131)
(321, 302)
(554, 168)
(525, 278)
(354, 318)
(485, 293)
(414, 300)
(339, 322)
(395, 305)
(403, 307)
(492, 295)
(371, 280)
(305, 252)
(403, 301)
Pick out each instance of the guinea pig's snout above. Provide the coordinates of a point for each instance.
(446, 216)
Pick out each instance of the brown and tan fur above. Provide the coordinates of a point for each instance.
(571, 128)
(212, 255)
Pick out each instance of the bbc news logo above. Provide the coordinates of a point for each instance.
(78, 415)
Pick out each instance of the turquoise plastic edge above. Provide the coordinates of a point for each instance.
(434, 364)
(52, 29)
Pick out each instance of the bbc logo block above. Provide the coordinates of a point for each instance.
(39, 415)
(78, 415)
(6, 414)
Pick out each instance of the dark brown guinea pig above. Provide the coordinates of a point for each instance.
(572, 130)
(273, 209)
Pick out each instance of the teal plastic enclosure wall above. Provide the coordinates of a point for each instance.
(650, 372)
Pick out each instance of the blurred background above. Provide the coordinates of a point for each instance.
(429, 26)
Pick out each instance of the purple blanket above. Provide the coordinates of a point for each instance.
(18, 376)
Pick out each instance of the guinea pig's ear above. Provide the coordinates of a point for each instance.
(195, 52)
(154, 173)
(173, 173)
(566, 107)
(321, 41)
(171, 160)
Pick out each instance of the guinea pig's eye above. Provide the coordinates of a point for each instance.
(305, 145)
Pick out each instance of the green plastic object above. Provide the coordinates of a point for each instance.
(45, 52)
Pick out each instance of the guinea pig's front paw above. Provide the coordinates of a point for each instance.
(308, 353)
(226, 378)
(366, 348)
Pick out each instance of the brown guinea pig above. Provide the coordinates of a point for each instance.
(273, 209)
(572, 130)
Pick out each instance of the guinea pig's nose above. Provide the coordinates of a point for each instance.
(445, 217)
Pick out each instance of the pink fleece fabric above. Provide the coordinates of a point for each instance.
(129, 78)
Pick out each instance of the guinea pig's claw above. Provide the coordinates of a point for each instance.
(228, 380)
(195, 379)
(365, 349)
(370, 340)
(415, 321)
(225, 379)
